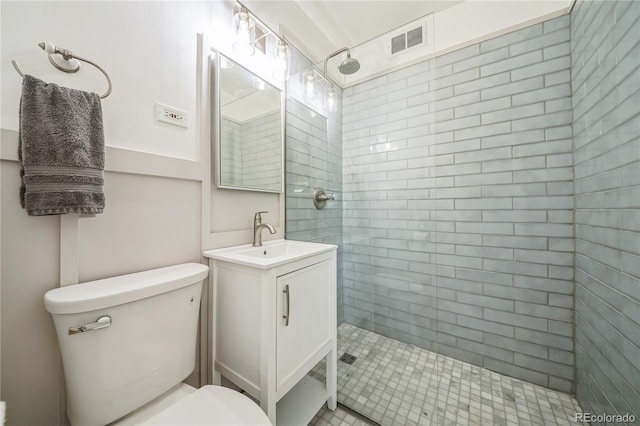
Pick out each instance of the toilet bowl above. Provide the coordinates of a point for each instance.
(211, 405)
(128, 342)
(186, 405)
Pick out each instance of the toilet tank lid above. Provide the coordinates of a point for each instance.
(99, 294)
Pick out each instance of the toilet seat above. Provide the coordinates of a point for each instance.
(212, 405)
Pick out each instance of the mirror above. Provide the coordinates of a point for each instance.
(248, 129)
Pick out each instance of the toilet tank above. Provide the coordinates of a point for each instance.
(145, 347)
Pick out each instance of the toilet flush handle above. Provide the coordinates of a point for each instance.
(102, 322)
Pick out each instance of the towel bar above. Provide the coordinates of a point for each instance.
(67, 56)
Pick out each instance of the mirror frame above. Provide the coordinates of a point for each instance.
(216, 128)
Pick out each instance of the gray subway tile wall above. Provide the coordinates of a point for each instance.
(489, 205)
(257, 162)
(246, 162)
(231, 141)
(605, 68)
(458, 204)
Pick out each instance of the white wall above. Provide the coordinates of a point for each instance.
(288, 18)
(148, 49)
(153, 214)
(30, 360)
(152, 183)
(151, 219)
(472, 21)
(228, 214)
(459, 26)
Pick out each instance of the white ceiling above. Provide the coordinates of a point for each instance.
(320, 27)
(350, 23)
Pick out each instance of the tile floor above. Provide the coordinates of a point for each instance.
(394, 383)
(340, 417)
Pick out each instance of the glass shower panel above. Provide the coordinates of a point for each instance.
(309, 167)
(389, 254)
(313, 159)
(390, 207)
(379, 160)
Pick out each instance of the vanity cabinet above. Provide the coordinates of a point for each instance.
(273, 322)
(304, 299)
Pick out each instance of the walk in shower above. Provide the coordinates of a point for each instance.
(487, 217)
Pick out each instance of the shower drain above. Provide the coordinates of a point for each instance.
(348, 358)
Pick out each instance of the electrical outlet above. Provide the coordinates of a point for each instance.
(171, 115)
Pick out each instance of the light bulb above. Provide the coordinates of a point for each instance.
(244, 31)
(309, 85)
(281, 65)
(330, 100)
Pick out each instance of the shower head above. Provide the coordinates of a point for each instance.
(349, 65)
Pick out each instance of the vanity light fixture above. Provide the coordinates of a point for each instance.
(309, 84)
(281, 66)
(319, 90)
(245, 32)
(252, 34)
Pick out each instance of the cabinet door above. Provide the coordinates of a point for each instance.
(308, 308)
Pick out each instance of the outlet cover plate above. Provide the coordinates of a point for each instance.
(171, 115)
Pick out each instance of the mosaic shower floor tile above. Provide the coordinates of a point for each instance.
(393, 383)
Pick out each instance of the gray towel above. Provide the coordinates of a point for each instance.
(61, 149)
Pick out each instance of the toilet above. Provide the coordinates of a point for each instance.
(128, 342)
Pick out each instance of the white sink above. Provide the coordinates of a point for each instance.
(271, 254)
(288, 249)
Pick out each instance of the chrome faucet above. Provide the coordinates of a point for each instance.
(258, 226)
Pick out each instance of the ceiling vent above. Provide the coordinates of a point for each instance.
(406, 40)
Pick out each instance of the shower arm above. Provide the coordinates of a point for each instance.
(337, 52)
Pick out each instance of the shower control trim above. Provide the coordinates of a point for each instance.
(320, 198)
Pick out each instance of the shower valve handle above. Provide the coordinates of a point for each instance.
(320, 198)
